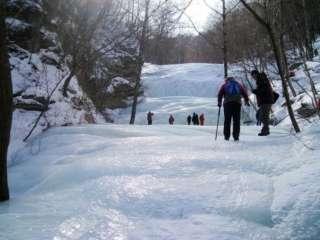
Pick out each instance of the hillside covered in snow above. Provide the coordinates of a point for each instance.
(179, 90)
(53, 82)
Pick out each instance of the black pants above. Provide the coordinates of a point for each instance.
(264, 116)
(232, 111)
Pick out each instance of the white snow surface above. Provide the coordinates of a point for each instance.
(163, 182)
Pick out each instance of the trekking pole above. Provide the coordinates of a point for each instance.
(218, 124)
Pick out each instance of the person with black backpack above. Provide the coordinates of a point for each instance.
(232, 92)
(265, 98)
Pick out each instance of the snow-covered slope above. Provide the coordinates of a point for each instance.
(193, 79)
(163, 182)
(179, 90)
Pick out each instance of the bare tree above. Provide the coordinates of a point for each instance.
(79, 24)
(278, 53)
(308, 41)
(143, 35)
(142, 44)
(5, 106)
(223, 15)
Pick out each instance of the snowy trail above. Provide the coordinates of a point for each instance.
(161, 182)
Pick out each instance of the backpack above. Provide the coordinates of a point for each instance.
(232, 88)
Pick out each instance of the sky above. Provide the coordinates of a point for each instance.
(199, 12)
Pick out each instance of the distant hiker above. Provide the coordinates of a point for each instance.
(171, 120)
(194, 118)
(201, 118)
(189, 119)
(149, 117)
(265, 99)
(232, 91)
(197, 119)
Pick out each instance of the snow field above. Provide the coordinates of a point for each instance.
(162, 182)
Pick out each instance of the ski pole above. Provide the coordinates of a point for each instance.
(218, 123)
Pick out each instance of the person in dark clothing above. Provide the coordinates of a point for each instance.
(171, 120)
(197, 119)
(149, 117)
(189, 120)
(201, 118)
(194, 119)
(265, 99)
(232, 92)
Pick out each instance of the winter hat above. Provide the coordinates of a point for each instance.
(230, 79)
(254, 72)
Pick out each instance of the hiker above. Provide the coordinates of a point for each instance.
(201, 118)
(194, 118)
(149, 117)
(171, 120)
(232, 91)
(197, 119)
(189, 119)
(265, 99)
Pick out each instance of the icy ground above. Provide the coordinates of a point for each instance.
(160, 182)
(163, 182)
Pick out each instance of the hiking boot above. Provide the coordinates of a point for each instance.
(225, 138)
(263, 134)
(236, 139)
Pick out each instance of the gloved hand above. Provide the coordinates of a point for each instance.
(219, 105)
(247, 104)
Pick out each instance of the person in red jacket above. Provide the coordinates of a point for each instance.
(201, 118)
(232, 92)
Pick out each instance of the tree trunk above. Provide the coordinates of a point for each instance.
(283, 51)
(67, 83)
(225, 48)
(142, 43)
(308, 41)
(285, 67)
(277, 53)
(5, 106)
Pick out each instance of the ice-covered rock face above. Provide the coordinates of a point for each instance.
(196, 80)
(180, 90)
